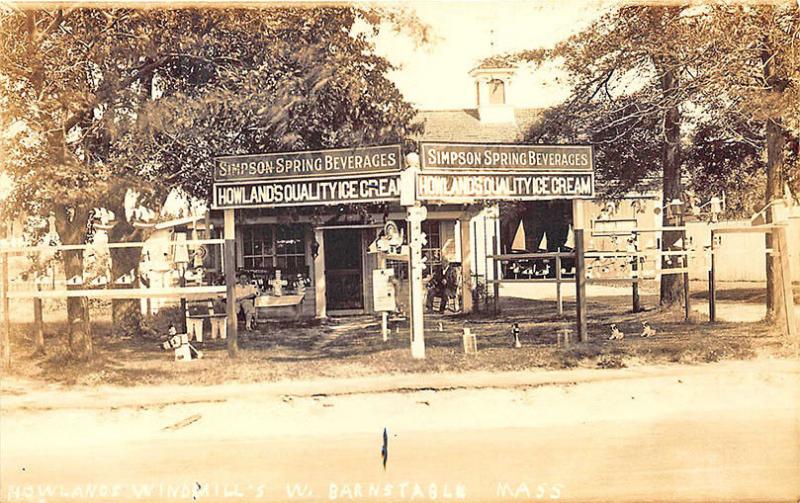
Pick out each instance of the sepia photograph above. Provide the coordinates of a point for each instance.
(388, 251)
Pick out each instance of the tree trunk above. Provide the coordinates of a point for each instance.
(78, 322)
(671, 286)
(79, 327)
(775, 144)
(126, 314)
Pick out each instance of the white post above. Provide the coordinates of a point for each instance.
(416, 214)
(229, 232)
(320, 306)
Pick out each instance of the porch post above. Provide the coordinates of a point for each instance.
(580, 270)
(319, 276)
(466, 266)
(229, 230)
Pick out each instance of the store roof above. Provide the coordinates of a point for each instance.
(464, 125)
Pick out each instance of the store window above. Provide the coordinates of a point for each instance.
(432, 250)
(269, 247)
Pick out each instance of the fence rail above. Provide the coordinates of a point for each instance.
(132, 244)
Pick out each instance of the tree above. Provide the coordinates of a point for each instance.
(757, 82)
(711, 85)
(99, 100)
(630, 81)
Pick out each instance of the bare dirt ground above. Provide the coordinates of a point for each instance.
(698, 412)
(348, 347)
(724, 431)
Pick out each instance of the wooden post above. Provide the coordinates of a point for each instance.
(559, 295)
(687, 308)
(385, 325)
(637, 304)
(38, 323)
(384, 314)
(475, 297)
(229, 231)
(416, 214)
(485, 265)
(182, 284)
(6, 314)
(466, 267)
(712, 287)
(495, 265)
(320, 305)
(780, 245)
(580, 270)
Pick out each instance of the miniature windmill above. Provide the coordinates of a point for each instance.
(515, 335)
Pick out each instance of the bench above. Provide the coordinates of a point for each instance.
(264, 303)
(197, 312)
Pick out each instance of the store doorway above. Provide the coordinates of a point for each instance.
(344, 274)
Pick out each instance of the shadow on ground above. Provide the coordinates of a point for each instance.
(353, 346)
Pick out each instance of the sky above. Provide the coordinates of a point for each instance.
(436, 75)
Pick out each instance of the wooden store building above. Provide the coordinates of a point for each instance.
(305, 222)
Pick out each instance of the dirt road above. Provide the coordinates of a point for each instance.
(725, 431)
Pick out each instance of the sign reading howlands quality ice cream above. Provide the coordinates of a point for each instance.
(507, 157)
(283, 165)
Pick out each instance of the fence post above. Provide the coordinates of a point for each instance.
(686, 303)
(637, 305)
(38, 322)
(6, 314)
(712, 287)
(559, 296)
(580, 270)
(780, 247)
(496, 248)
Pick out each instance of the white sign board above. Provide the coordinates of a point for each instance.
(383, 294)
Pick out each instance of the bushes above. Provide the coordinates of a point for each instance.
(157, 325)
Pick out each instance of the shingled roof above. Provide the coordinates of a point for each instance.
(463, 125)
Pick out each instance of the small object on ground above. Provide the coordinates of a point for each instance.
(470, 341)
(441, 328)
(616, 333)
(515, 335)
(180, 343)
(647, 330)
(563, 337)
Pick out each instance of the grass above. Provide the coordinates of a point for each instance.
(350, 347)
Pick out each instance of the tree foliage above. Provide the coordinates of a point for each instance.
(706, 94)
(97, 101)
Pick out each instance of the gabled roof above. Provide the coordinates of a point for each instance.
(463, 125)
(501, 61)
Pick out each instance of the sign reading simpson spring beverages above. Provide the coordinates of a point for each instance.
(274, 193)
(461, 186)
(506, 157)
(335, 162)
